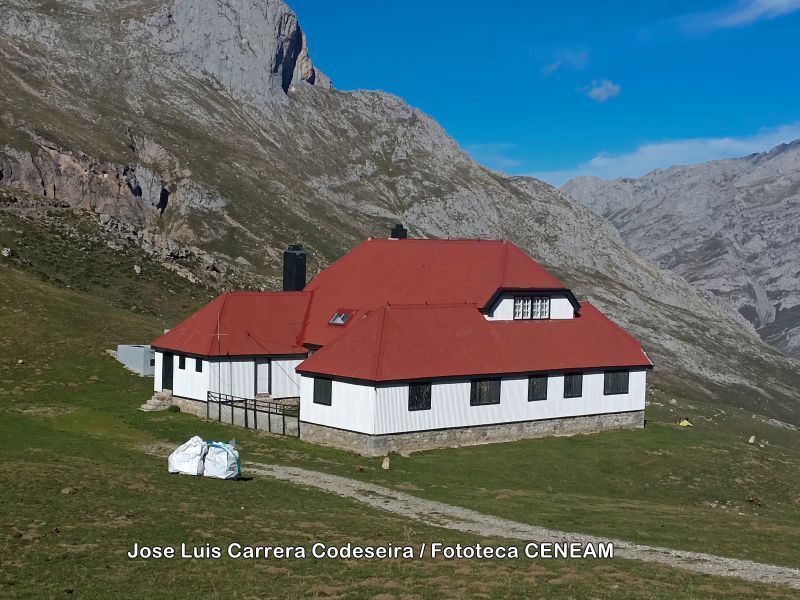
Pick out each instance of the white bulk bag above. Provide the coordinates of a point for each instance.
(222, 461)
(188, 458)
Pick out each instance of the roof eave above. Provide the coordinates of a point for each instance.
(312, 373)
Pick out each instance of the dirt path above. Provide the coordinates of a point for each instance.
(469, 521)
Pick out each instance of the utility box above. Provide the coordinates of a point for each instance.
(139, 358)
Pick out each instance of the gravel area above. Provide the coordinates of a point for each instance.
(469, 521)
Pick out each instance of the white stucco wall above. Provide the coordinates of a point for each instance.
(187, 382)
(236, 377)
(157, 374)
(262, 375)
(285, 380)
(352, 406)
(560, 307)
(387, 406)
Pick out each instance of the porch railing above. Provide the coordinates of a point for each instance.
(254, 413)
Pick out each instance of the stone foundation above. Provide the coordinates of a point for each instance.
(187, 405)
(380, 445)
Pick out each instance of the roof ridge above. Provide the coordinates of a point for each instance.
(436, 239)
(505, 265)
(219, 320)
(299, 340)
(265, 292)
(431, 305)
(380, 342)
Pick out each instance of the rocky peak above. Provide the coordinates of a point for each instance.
(728, 226)
(254, 49)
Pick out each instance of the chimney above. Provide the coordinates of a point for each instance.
(294, 268)
(398, 232)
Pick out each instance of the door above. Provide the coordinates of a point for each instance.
(263, 376)
(166, 371)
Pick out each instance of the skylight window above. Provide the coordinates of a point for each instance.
(340, 317)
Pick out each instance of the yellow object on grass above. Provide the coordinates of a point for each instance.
(685, 423)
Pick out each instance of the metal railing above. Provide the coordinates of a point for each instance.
(252, 410)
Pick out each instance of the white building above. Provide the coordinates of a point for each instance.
(411, 344)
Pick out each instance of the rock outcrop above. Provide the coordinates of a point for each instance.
(730, 227)
(253, 50)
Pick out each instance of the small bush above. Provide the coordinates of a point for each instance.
(174, 409)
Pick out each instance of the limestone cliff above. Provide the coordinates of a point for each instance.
(731, 227)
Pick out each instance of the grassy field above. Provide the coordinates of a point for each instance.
(703, 488)
(83, 477)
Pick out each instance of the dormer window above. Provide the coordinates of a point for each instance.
(531, 307)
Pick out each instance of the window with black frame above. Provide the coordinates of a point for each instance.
(198, 365)
(181, 362)
(419, 396)
(573, 385)
(537, 387)
(322, 391)
(615, 382)
(531, 307)
(484, 391)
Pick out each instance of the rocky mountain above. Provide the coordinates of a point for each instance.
(206, 122)
(730, 227)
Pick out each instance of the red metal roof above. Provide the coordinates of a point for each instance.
(242, 324)
(417, 272)
(414, 313)
(396, 343)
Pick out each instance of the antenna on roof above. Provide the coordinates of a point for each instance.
(219, 335)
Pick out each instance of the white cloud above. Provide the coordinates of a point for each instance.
(551, 68)
(494, 155)
(601, 90)
(740, 14)
(662, 155)
(570, 59)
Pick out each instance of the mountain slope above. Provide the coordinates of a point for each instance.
(169, 117)
(731, 227)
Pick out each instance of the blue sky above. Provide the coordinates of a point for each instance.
(557, 89)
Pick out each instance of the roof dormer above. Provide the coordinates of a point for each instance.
(532, 305)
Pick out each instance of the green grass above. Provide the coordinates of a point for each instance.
(68, 252)
(81, 482)
(703, 489)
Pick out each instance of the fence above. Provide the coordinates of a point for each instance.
(267, 415)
